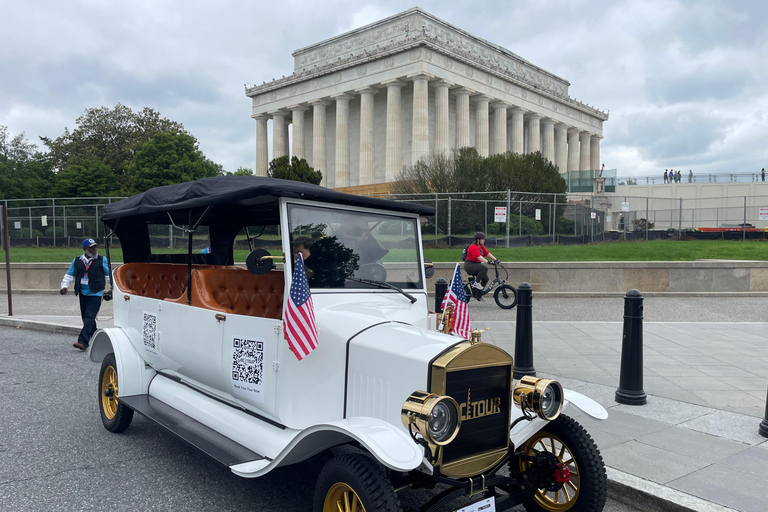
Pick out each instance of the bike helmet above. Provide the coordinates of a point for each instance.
(479, 235)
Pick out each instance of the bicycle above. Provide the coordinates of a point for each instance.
(505, 294)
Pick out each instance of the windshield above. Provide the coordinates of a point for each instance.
(340, 244)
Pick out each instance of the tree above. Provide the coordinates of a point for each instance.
(465, 171)
(24, 171)
(109, 136)
(242, 171)
(295, 169)
(89, 179)
(167, 159)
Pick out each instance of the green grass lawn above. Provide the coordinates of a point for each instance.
(655, 250)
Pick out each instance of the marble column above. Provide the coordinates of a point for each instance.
(342, 140)
(518, 137)
(462, 118)
(548, 140)
(367, 150)
(319, 162)
(534, 140)
(526, 138)
(481, 121)
(584, 142)
(420, 128)
(262, 156)
(499, 127)
(573, 149)
(394, 153)
(442, 144)
(297, 148)
(279, 141)
(594, 152)
(561, 147)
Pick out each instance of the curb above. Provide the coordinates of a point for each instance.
(39, 326)
(652, 497)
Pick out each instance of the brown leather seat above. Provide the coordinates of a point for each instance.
(240, 293)
(156, 280)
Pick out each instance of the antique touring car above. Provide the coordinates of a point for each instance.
(200, 348)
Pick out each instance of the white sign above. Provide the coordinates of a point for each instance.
(17, 225)
(607, 218)
(488, 505)
(500, 215)
(247, 372)
(79, 225)
(625, 206)
(763, 213)
(593, 215)
(44, 220)
(538, 214)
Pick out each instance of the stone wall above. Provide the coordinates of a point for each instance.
(594, 277)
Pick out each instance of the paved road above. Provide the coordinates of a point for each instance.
(55, 455)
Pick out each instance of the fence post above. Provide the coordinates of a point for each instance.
(647, 220)
(5, 243)
(449, 221)
(509, 214)
(680, 221)
(520, 219)
(485, 216)
(436, 205)
(53, 199)
(744, 226)
(64, 209)
(97, 222)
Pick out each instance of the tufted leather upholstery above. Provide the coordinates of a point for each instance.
(240, 293)
(156, 280)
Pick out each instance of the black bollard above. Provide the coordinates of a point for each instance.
(441, 286)
(630, 390)
(524, 333)
(763, 431)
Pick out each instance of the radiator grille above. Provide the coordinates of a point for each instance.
(483, 394)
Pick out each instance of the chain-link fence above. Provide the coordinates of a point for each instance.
(509, 218)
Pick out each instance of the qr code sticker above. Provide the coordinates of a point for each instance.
(248, 361)
(150, 330)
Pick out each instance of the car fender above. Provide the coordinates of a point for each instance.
(133, 373)
(390, 445)
(525, 429)
(586, 404)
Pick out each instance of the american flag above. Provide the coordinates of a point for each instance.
(455, 294)
(299, 318)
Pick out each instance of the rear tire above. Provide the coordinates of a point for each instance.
(353, 480)
(505, 296)
(115, 416)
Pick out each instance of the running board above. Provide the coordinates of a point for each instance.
(218, 447)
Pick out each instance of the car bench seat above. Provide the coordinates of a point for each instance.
(239, 293)
(162, 281)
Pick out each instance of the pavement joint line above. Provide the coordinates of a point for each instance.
(652, 497)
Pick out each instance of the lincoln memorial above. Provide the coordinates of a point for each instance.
(365, 104)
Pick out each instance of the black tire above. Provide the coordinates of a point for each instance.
(505, 296)
(588, 486)
(357, 476)
(115, 416)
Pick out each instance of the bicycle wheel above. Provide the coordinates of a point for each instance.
(505, 296)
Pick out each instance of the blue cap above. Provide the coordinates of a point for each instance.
(89, 242)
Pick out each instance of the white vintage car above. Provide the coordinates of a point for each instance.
(199, 347)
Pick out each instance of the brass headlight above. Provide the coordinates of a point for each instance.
(435, 417)
(542, 396)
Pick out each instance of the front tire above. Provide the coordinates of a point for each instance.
(574, 448)
(505, 296)
(115, 416)
(354, 482)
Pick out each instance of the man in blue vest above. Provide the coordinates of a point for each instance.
(90, 274)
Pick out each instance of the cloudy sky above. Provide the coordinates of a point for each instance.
(686, 81)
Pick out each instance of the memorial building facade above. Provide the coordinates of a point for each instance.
(365, 104)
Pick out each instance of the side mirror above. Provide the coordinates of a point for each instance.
(257, 263)
(429, 269)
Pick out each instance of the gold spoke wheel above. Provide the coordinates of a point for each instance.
(109, 392)
(565, 497)
(342, 498)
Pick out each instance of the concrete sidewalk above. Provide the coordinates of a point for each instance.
(693, 447)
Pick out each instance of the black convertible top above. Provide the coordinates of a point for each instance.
(224, 204)
(240, 194)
